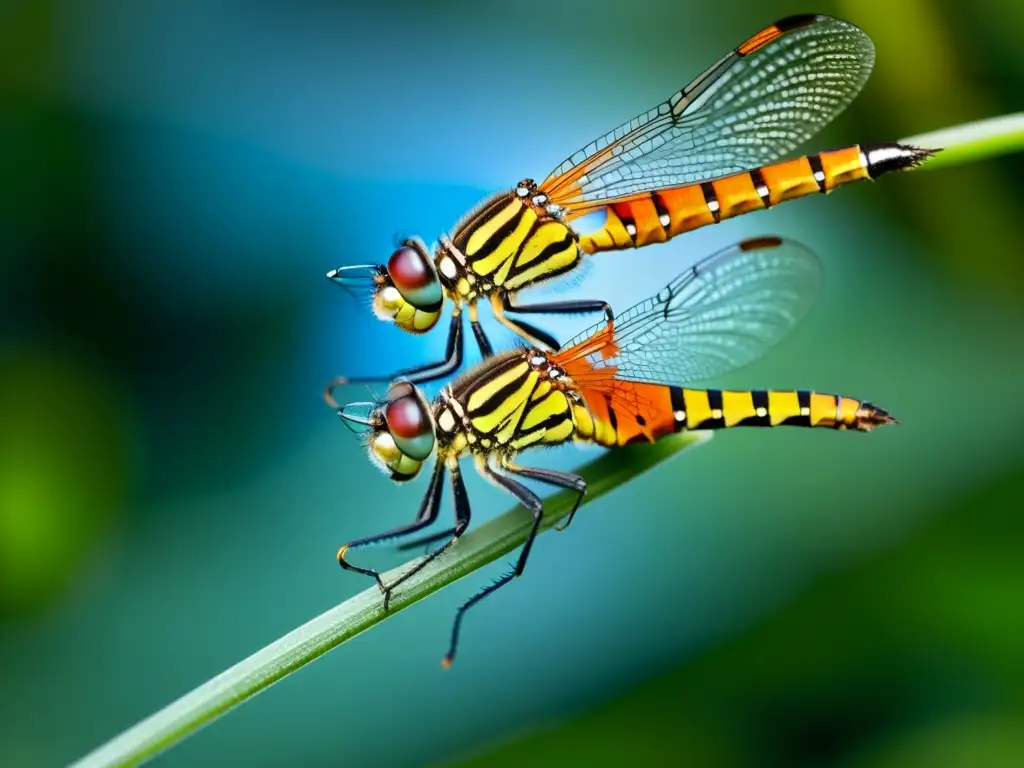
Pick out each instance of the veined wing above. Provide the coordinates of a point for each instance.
(752, 107)
(724, 312)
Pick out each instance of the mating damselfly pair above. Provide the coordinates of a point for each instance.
(710, 152)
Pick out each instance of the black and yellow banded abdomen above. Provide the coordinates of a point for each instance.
(646, 412)
(721, 409)
(654, 217)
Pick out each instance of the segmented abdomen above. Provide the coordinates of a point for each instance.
(646, 412)
(654, 217)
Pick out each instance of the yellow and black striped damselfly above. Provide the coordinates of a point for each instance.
(710, 152)
(620, 382)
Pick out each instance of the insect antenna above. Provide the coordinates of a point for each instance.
(358, 280)
(359, 417)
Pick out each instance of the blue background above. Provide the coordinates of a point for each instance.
(176, 180)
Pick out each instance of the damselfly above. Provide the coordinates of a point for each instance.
(709, 153)
(620, 382)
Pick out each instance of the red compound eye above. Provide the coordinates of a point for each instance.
(409, 269)
(413, 275)
(406, 419)
(410, 426)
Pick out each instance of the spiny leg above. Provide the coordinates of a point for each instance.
(426, 515)
(430, 538)
(550, 476)
(419, 373)
(553, 477)
(504, 304)
(460, 500)
(574, 307)
(532, 502)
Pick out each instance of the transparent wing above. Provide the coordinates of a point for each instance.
(721, 314)
(752, 107)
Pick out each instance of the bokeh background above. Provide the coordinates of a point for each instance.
(175, 179)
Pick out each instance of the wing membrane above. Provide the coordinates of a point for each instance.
(721, 314)
(752, 107)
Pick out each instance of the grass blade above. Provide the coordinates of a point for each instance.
(276, 661)
(972, 141)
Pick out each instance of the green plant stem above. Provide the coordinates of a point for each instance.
(972, 141)
(145, 740)
(476, 549)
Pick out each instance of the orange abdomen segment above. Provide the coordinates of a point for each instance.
(624, 412)
(637, 220)
(843, 166)
(735, 195)
(789, 180)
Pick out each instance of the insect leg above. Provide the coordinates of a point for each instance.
(481, 338)
(416, 374)
(428, 539)
(532, 502)
(531, 332)
(553, 477)
(534, 334)
(575, 307)
(439, 370)
(426, 515)
(460, 501)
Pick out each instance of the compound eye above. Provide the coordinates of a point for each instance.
(410, 426)
(413, 274)
(386, 452)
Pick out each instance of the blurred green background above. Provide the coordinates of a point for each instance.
(174, 181)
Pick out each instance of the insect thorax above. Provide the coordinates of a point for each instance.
(513, 401)
(509, 241)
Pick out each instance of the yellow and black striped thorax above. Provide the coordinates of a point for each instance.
(514, 400)
(511, 240)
